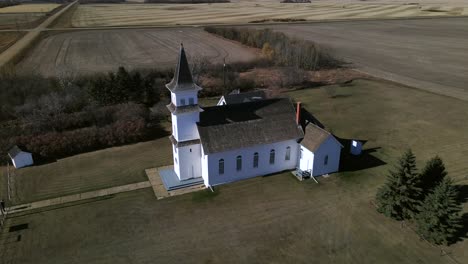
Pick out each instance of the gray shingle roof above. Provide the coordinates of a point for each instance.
(182, 80)
(14, 151)
(228, 127)
(184, 143)
(244, 97)
(315, 136)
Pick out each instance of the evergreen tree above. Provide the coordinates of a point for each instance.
(398, 198)
(432, 175)
(439, 219)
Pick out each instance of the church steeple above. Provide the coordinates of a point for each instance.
(182, 80)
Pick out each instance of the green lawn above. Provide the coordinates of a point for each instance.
(272, 219)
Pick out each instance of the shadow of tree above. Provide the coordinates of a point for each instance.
(462, 231)
(463, 193)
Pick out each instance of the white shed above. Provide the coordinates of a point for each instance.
(319, 152)
(20, 158)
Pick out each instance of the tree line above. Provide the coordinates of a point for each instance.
(428, 198)
(62, 116)
(280, 48)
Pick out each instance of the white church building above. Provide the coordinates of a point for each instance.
(230, 142)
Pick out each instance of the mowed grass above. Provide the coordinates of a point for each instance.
(91, 171)
(30, 8)
(393, 118)
(272, 219)
(102, 15)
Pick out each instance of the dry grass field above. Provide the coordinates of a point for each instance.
(104, 15)
(273, 219)
(24, 15)
(19, 20)
(105, 50)
(30, 8)
(8, 38)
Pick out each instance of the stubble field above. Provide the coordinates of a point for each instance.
(24, 15)
(430, 54)
(86, 52)
(29, 8)
(104, 15)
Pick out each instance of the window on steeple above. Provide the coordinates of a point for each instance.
(191, 101)
(182, 101)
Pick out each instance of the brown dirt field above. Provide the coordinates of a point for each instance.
(430, 54)
(86, 52)
(19, 21)
(8, 38)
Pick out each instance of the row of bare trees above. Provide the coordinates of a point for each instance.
(280, 48)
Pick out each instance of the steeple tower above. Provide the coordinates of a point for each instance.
(182, 80)
(185, 114)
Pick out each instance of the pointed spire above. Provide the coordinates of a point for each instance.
(182, 80)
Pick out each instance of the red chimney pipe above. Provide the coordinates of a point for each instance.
(298, 113)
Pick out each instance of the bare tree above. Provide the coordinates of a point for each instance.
(199, 66)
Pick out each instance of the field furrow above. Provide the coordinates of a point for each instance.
(88, 52)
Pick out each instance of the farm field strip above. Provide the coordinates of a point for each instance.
(96, 15)
(29, 8)
(100, 51)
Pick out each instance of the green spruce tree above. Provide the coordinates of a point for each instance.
(398, 198)
(432, 175)
(439, 219)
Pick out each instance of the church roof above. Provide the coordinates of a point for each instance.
(228, 127)
(239, 98)
(315, 136)
(182, 80)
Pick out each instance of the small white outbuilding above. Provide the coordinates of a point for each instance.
(20, 158)
(319, 151)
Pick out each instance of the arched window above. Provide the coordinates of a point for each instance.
(239, 163)
(288, 153)
(221, 166)
(326, 160)
(272, 156)
(255, 161)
